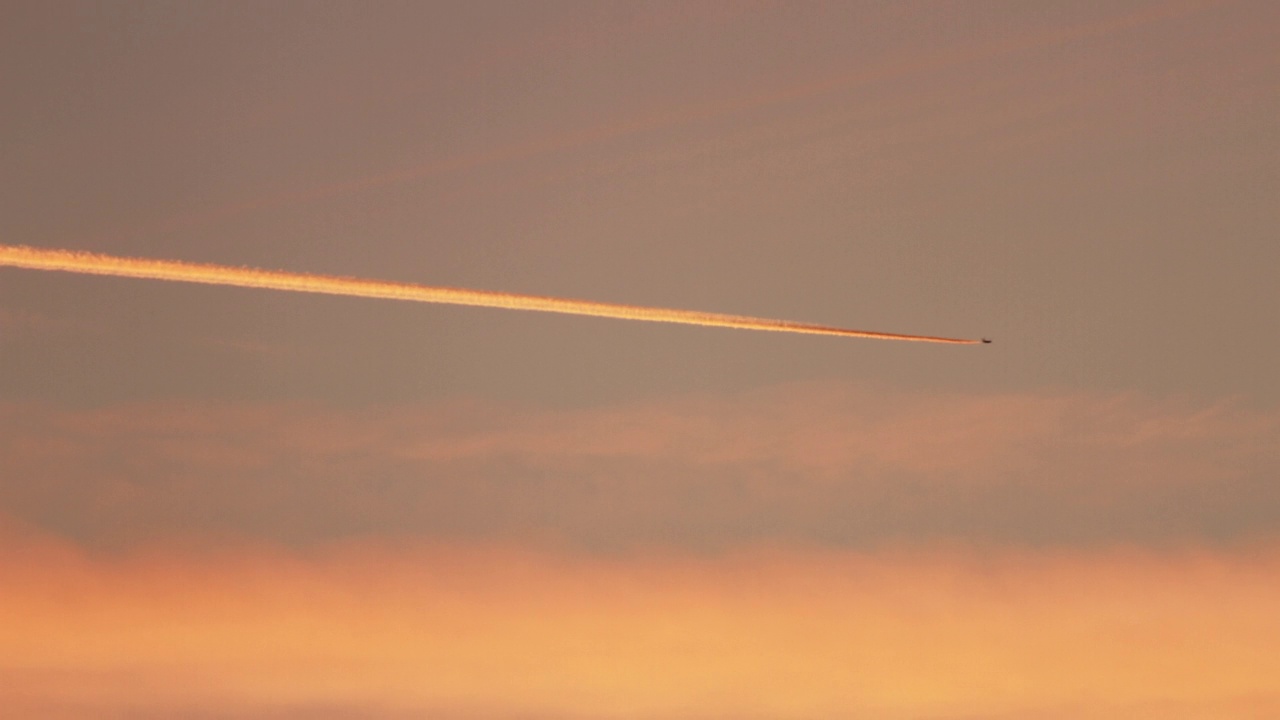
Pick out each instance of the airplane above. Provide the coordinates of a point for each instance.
(986, 341)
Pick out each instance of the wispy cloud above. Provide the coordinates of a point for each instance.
(827, 463)
(15, 322)
(722, 110)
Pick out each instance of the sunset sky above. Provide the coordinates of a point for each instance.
(221, 502)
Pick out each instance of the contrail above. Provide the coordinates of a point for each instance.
(178, 271)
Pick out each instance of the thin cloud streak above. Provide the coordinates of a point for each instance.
(177, 271)
(826, 463)
(709, 110)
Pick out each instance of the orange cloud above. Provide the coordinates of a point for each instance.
(372, 631)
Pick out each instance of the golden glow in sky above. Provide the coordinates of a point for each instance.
(504, 632)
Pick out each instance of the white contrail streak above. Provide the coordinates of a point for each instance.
(177, 271)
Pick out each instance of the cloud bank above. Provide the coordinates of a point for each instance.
(363, 630)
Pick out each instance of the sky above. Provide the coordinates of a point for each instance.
(224, 502)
